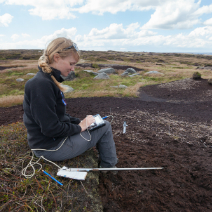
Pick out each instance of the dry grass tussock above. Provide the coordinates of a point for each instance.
(133, 90)
(3, 87)
(100, 93)
(18, 65)
(185, 84)
(8, 101)
(28, 67)
(18, 62)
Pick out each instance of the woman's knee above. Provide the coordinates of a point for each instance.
(107, 124)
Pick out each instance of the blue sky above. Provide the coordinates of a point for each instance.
(120, 25)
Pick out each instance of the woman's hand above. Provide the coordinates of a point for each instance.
(86, 122)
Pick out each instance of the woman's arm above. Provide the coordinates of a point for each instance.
(43, 105)
(86, 122)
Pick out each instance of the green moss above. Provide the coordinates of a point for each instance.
(196, 75)
(95, 65)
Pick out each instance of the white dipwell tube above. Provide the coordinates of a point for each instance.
(124, 127)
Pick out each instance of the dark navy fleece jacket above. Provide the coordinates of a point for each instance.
(45, 112)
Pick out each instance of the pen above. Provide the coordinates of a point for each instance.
(52, 177)
(105, 117)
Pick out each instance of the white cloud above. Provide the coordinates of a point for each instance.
(208, 22)
(48, 9)
(117, 31)
(1, 37)
(174, 14)
(114, 31)
(101, 6)
(118, 37)
(39, 43)
(25, 35)
(5, 19)
(113, 6)
(201, 32)
(122, 49)
(52, 13)
(43, 42)
(204, 9)
(180, 14)
(15, 37)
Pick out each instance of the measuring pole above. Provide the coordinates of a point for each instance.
(109, 169)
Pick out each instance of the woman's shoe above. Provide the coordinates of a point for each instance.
(113, 172)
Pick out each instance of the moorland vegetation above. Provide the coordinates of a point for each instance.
(40, 193)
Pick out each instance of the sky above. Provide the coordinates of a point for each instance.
(102, 25)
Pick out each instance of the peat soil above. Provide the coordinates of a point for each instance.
(169, 126)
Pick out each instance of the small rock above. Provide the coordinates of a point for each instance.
(139, 192)
(132, 75)
(102, 76)
(128, 71)
(19, 80)
(119, 86)
(69, 88)
(196, 76)
(70, 76)
(31, 74)
(210, 81)
(107, 70)
(125, 74)
(92, 72)
(114, 86)
(122, 86)
(131, 71)
(153, 72)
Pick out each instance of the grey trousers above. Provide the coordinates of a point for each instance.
(75, 145)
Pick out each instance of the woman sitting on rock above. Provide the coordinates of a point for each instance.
(51, 132)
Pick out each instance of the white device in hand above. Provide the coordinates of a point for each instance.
(99, 122)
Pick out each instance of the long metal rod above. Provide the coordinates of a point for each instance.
(109, 169)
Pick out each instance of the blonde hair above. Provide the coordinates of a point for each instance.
(58, 46)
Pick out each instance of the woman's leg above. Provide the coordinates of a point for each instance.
(76, 145)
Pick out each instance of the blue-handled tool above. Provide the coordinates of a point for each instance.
(52, 177)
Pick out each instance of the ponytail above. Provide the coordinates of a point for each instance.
(47, 69)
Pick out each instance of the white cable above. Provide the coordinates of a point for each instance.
(112, 118)
(32, 164)
(87, 130)
(52, 150)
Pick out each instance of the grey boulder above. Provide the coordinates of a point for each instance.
(131, 71)
(19, 80)
(70, 76)
(107, 70)
(69, 88)
(128, 71)
(153, 72)
(119, 86)
(132, 75)
(92, 72)
(102, 76)
(31, 74)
